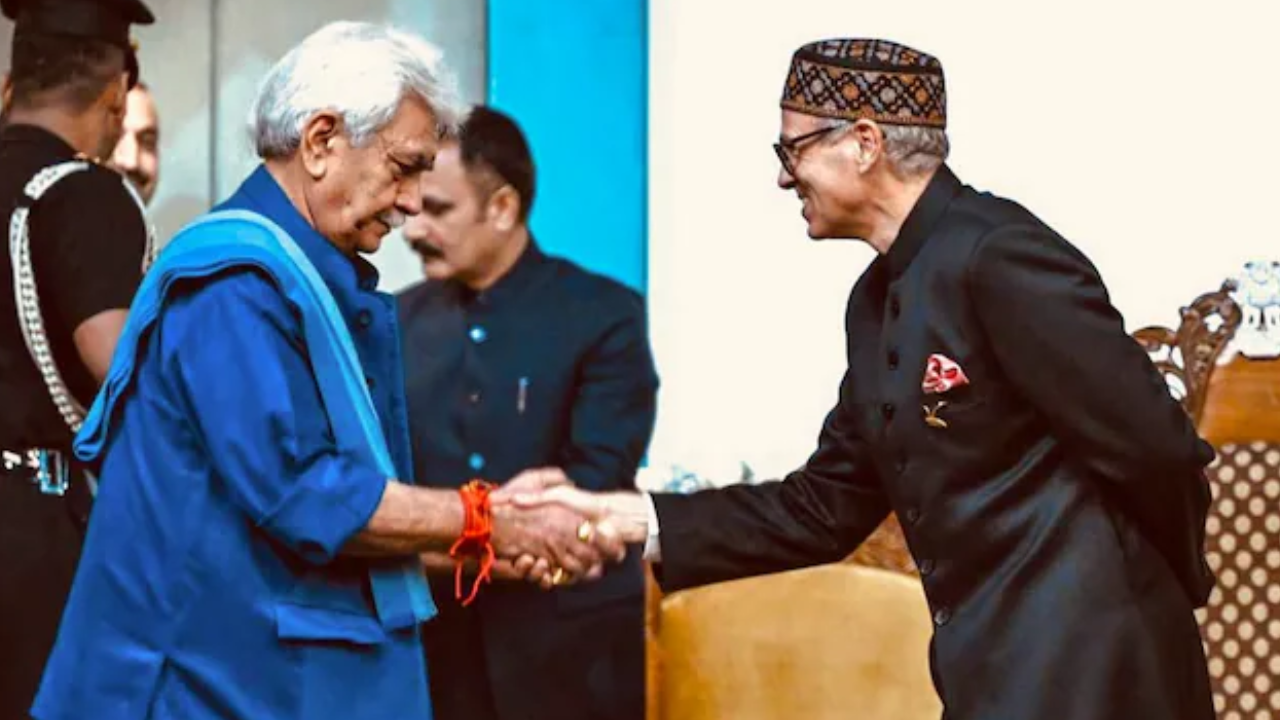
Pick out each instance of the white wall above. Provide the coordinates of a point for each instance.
(1143, 131)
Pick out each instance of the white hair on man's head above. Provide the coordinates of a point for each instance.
(359, 70)
(912, 150)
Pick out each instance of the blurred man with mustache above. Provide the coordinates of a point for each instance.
(518, 359)
(75, 251)
(137, 154)
(254, 549)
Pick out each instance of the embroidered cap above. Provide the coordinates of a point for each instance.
(878, 80)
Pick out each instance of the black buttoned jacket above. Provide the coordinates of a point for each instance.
(1057, 511)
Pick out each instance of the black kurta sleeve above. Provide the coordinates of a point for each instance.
(819, 513)
(612, 417)
(1063, 345)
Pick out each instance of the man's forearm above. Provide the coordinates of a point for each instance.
(409, 520)
(629, 513)
(96, 340)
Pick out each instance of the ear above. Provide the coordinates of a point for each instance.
(116, 95)
(870, 140)
(504, 208)
(320, 137)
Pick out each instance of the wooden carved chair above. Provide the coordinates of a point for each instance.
(812, 643)
(1223, 364)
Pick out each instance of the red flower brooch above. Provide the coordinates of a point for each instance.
(941, 374)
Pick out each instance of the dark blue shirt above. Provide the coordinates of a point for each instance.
(549, 367)
(211, 584)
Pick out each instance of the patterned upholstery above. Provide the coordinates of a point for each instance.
(1241, 625)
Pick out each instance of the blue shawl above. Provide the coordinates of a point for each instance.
(233, 238)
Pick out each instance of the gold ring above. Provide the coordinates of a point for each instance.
(559, 577)
(586, 531)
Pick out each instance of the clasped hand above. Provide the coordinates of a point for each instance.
(563, 539)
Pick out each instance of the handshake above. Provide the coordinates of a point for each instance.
(548, 532)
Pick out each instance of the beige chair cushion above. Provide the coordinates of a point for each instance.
(836, 641)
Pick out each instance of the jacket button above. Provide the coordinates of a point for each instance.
(893, 359)
(370, 382)
(474, 398)
(364, 318)
(895, 307)
(478, 334)
(941, 616)
(476, 462)
(926, 567)
(912, 516)
(887, 411)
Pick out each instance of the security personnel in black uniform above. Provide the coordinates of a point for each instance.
(515, 359)
(73, 260)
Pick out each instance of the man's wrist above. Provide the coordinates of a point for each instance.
(628, 513)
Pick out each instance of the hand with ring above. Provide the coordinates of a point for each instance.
(551, 544)
(559, 576)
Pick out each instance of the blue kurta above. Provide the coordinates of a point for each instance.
(210, 584)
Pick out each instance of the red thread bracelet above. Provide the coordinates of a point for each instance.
(475, 540)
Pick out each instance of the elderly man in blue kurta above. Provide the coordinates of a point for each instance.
(252, 554)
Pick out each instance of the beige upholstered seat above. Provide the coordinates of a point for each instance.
(816, 644)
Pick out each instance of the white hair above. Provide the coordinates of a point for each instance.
(359, 70)
(915, 149)
(912, 150)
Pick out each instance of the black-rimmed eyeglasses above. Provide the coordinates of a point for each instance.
(788, 149)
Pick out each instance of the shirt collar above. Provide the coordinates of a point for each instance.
(34, 135)
(515, 280)
(340, 271)
(922, 219)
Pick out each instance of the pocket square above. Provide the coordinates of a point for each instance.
(941, 374)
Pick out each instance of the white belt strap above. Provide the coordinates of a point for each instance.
(25, 292)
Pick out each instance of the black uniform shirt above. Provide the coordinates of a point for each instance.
(87, 239)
